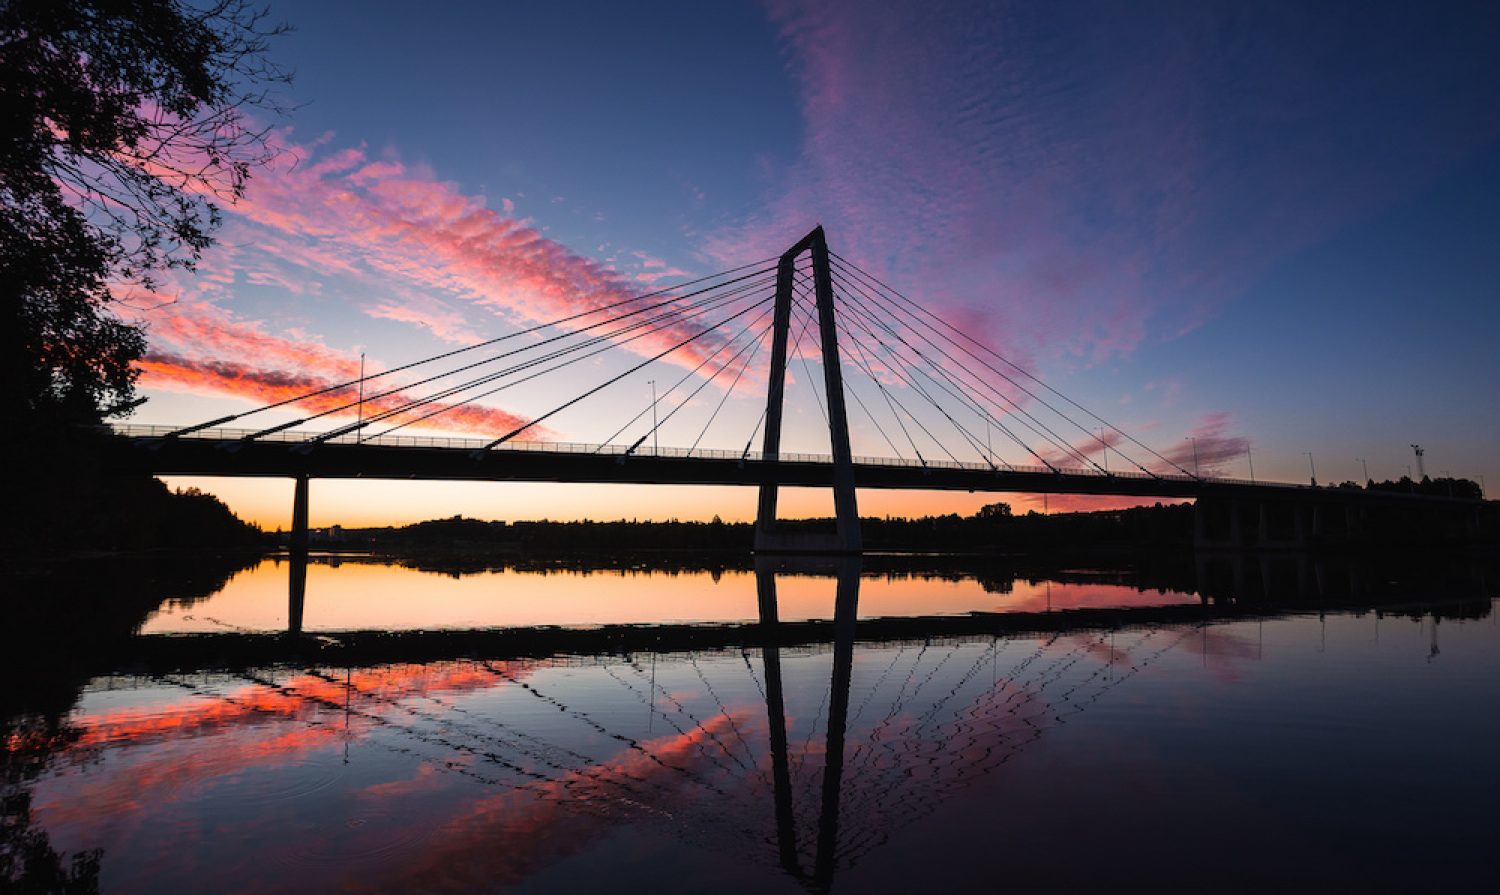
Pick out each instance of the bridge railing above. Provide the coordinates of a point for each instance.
(137, 430)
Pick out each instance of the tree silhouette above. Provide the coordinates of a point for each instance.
(122, 126)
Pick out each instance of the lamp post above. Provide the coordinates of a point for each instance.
(359, 434)
(1312, 468)
(655, 444)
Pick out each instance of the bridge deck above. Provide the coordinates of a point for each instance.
(227, 453)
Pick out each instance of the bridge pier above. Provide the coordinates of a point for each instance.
(1297, 522)
(847, 539)
(297, 550)
(1219, 524)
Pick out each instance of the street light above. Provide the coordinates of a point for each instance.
(655, 444)
(359, 434)
(1311, 467)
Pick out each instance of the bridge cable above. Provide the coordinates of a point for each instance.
(888, 399)
(751, 440)
(807, 368)
(877, 283)
(915, 386)
(1056, 439)
(1024, 418)
(972, 401)
(767, 409)
(972, 440)
(650, 325)
(516, 368)
(663, 316)
(892, 403)
(849, 335)
(646, 327)
(1051, 436)
(744, 365)
(611, 381)
(717, 351)
(447, 354)
(849, 388)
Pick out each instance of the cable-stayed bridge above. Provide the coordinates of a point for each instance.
(943, 410)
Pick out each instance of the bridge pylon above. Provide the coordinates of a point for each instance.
(768, 537)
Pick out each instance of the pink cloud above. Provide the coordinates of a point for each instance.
(1215, 450)
(259, 384)
(200, 348)
(385, 223)
(195, 328)
(438, 317)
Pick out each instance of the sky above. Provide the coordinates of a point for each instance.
(1262, 232)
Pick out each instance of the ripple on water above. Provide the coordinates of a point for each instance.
(294, 779)
(365, 834)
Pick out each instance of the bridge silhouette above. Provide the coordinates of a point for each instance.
(937, 398)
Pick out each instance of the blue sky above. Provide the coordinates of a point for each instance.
(1266, 226)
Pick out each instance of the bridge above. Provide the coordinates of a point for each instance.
(932, 390)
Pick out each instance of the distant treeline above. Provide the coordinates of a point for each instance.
(60, 499)
(1439, 487)
(993, 528)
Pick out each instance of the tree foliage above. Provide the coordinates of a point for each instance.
(124, 124)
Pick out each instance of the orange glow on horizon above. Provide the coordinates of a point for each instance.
(372, 503)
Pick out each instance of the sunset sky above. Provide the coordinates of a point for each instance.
(1270, 227)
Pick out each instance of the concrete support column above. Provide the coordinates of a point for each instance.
(297, 575)
(1200, 524)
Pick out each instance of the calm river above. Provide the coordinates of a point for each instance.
(1293, 726)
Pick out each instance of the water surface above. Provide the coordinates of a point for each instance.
(1300, 742)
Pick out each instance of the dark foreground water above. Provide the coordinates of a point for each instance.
(1292, 725)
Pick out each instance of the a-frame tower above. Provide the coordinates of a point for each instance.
(768, 538)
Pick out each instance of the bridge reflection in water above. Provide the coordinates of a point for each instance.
(846, 610)
(529, 740)
(921, 753)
